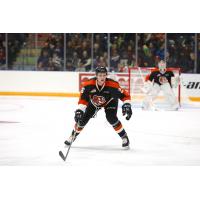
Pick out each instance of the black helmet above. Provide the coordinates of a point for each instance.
(101, 70)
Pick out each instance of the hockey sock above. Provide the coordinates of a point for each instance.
(119, 129)
(77, 129)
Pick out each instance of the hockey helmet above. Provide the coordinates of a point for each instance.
(101, 70)
(162, 66)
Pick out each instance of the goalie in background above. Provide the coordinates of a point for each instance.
(161, 80)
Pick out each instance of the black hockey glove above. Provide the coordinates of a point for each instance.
(126, 110)
(78, 115)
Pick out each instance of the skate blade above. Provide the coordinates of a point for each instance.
(126, 148)
(172, 109)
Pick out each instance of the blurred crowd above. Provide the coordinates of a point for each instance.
(181, 51)
(151, 49)
(78, 52)
(15, 43)
(2, 50)
(85, 53)
(122, 51)
(118, 51)
(52, 53)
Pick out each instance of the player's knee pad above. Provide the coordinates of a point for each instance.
(111, 118)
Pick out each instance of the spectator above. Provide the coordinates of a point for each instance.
(15, 42)
(2, 57)
(76, 45)
(181, 51)
(52, 54)
(85, 62)
(69, 50)
(102, 61)
(56, 62)
(43, 62)
(124, 44)
(151, 49)
(114, 60)
(69, 65)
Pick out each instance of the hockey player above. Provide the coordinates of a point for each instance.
(98, 93)
(161, 79)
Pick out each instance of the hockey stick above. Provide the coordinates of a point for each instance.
(64, 157)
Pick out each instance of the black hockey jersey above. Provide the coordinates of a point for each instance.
(157, 76)
(101, 96)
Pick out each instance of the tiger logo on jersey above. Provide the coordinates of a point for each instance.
(163, 80)
(98, 100)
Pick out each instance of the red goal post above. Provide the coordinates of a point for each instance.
(136, 83)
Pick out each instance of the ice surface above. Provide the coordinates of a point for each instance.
(33, 129)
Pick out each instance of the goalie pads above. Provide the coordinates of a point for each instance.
(175, 81)
(147, 87)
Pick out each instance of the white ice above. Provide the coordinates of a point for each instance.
(33, 129)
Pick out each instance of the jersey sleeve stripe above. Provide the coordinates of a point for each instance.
(112, 84)
(118, 127)
(82, 101)
(89, 82)
(126, 98)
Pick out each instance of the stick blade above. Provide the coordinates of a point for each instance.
(61, 155)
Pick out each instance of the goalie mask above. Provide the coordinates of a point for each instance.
(162, 66)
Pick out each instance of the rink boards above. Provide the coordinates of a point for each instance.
(67, 84)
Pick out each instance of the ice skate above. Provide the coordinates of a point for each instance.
(125, 143)
(174, 107)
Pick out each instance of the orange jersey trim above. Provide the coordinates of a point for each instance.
(112, 84)
(89, 82)
(126, 98)
(147, 77)
(82, 101)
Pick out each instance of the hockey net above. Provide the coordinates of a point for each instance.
(137, 79)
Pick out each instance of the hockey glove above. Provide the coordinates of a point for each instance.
(126, 110)
(78, 115)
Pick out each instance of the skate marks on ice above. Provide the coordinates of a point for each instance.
(98, 155)
(8, 122)
(156, 138)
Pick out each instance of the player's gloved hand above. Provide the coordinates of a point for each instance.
(126, 110)
(78, 115)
